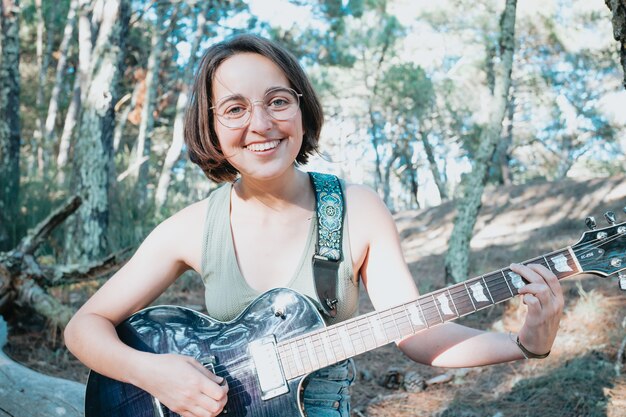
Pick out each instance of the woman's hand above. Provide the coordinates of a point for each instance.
(544, 298)
(184, 386)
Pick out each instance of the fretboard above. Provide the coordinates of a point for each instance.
(320, 348)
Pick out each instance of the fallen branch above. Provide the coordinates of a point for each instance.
(36, 236)
(72, 274)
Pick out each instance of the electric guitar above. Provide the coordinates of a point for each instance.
(268, 350)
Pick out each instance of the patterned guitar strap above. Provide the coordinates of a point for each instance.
(330, 212)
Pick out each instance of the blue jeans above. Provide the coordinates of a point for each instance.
(327, 393)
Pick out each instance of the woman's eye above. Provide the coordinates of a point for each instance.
(279, 102)
(235, 111)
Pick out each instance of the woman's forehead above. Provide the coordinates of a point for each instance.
(247, 74)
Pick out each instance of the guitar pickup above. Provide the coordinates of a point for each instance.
(269, 372)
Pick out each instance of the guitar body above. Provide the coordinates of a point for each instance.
(168, 329)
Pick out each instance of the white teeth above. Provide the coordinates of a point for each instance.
(258, 147)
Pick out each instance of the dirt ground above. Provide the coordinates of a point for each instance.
(582, 377)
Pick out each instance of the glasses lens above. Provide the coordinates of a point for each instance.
(281, 103)
(233, 111)
(278, 103)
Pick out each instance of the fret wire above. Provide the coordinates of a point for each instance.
(469, 295)
(338, 340)
(548, 264)
(429, 309)
(422, 313)
(405, 328)
(389, 325)
(488, 291)
(395, 322)
(377, 332)
(386, 314)
(319, 347)
(297, 358)
(360, 337)
(311, 349)
(304, 355)
(328, 345)
(453, 304)
(368, 332)
(406, 313)
(319, 350)
(292, 360)
(507, 283)
(437, 308)
(458, 291)
(498, 288)
(283, 357)
(341, 333)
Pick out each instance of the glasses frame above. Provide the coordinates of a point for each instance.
(248, 117)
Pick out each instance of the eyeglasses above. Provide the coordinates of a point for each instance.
(235, 111)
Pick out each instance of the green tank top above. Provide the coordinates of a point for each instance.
(227, 292)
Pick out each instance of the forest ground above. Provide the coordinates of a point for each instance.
(516, 223)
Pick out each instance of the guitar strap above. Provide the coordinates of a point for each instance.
(330, 211)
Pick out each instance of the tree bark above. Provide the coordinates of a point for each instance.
(53, 106)
(146, 127)
(10, 120)
(173, 153)
(618, 8)
(457, 256)
(434, 169)
(93, 150)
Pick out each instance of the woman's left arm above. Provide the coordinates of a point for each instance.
(378, 257)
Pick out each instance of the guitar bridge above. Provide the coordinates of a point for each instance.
(268, 369)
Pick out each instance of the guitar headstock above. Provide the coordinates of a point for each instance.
(603, 251)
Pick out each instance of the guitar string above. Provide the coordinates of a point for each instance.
(431, 306)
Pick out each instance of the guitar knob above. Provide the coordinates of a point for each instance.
(590, 222)
(610, 217)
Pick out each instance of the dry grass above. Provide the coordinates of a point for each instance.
(516, 223)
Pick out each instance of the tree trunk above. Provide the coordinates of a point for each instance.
(120, 124)
(71, 118)
(53, 106)
(173, 153)
(146, 127)
(434, 169)
(503, 157)
(10, 120)
(618, 8)
(93, 149)
(457, 256)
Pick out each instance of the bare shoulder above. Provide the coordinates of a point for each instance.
(181, 234)
(363, 205)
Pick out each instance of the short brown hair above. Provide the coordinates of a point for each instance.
(200, 137)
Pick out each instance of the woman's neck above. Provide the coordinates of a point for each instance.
(289, 190)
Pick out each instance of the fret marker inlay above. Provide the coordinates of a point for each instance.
(445, 304)
(415, 315)
(516, 280)
(478, 292)
(560, 263)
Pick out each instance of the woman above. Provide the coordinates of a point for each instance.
(253, 120)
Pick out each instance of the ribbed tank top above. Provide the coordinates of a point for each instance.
(227, 293)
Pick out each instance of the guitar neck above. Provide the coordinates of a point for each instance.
(320, 348)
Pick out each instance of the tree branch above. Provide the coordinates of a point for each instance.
(36, 236)
(71, 274)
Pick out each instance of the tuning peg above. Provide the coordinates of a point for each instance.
(590, 222)
(610, 217)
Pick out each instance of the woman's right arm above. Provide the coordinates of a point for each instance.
(179, 382)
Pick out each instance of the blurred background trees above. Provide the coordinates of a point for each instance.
(93, 93)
